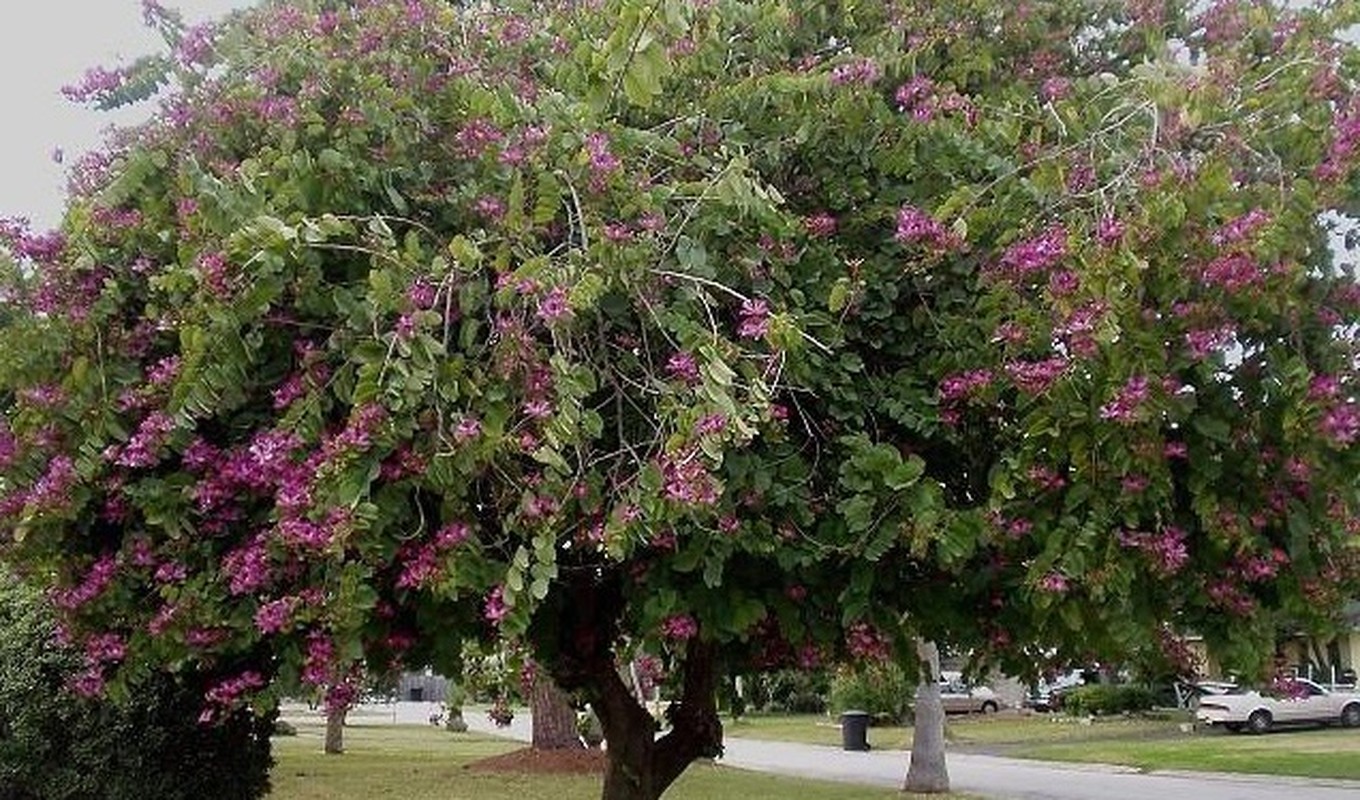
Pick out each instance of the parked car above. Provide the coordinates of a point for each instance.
(1047, 695)
(960, 697)
(1303, 702)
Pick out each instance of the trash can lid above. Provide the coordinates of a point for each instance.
(850, 713)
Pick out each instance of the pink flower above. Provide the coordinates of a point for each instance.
(964, 384)
(495, 609)
(171, 572)
(1037, 254)
(1240, 228)
(319, 664)
(1204, 342)
(820, 224)
(554, 306)
(911, 94)
(679, 627)
(538, 409)
(452, 535)
(1123, 408)
(1109, 231)
(861, 70)
(490, 208)
(711, 424)
(915, 226)
(420, 566)
(274, 616)
(1054, 583)
(1034, 377)
(1341, 424)
(755, 319)
(684, 367)
(867, 643)
(467, 429)
(142, 450)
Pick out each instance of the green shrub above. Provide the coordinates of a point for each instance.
(791, 691)
(882, 691)
(56, 746)
(1103, 700)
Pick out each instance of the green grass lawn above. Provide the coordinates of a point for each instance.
(1329, 753)
(426, 763)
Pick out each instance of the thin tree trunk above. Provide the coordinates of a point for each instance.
(335, 731)
(554, 720)
(927, 772)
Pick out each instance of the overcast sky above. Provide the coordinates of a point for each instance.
(45, 45)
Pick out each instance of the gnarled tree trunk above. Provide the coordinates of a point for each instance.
(581, 658)
(554, 720)
(927, 772)
(640, 766)
(335, 730)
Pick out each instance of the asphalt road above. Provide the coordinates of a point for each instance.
(985, 776)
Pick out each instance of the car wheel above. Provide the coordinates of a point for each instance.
(1350, 715)
(989, 707)
(1259, 721)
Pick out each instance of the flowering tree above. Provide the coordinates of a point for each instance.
(740, 331)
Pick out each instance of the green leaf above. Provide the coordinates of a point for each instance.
(858, 512)
(1213, 428)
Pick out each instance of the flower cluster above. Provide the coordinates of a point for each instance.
(964, 384)
(1035, 377)
(915, 226)
(1037, 254)
(227, 694)
(684, 367)
(755, 319)
(868, 643)
(421, 561)
(1239, 229)
(686, 480)
(1167, 548)
(679, 627)
(1123, 407)
(862, 71)
(274, 616)
(99, 577)
(142, 450)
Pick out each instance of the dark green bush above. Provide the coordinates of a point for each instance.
(1107, 699)
(56, 746)
(882, 691)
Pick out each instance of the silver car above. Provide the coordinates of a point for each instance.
(960, 697)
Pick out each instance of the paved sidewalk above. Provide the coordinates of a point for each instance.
(986, 776)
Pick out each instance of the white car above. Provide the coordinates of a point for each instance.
(959, 697)
(1305, 702)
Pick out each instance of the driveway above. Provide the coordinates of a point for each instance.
(986, 776)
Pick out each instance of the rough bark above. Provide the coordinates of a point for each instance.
(335, 731)
(927, 772)
(554, 720)
(581, 658)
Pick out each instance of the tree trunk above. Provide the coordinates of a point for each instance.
(927, 773)
(580, 655)
(554, 720)
(335, 731)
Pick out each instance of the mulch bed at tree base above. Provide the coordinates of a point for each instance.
(544, 762)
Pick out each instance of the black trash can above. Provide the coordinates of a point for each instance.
(855, 730)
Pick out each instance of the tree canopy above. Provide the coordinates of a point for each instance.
(740, 331)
